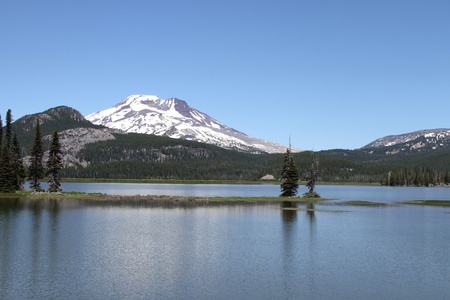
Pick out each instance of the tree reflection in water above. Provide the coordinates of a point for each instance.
(291, 254)
(310, 213)
(289, 215)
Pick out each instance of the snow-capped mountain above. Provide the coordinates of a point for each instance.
(176, 119)
(391, 140)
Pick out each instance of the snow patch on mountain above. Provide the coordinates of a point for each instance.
(392, 140)
(174, 118)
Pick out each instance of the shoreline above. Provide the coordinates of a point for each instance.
(191, 199)
(107, 197)
(201, 181)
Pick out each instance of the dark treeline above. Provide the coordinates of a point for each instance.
(142, 161)
(438, 159)
(416, 177)
(133, 147)
(131, 157)
(187, 170)
(12, 168)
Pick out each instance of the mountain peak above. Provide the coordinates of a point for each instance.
(61, 115)
(138, 99)
(175, 118)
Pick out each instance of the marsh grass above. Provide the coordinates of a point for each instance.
(427, 202)
(102, 197)
(364, 203)
(314, 209)
(149, 198)
(270, 199)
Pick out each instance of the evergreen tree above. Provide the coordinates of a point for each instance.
(289, 176)
(311, 177)
(7, 175)
(54, 164)
(17, 162)
(8, 135)
(36, 170)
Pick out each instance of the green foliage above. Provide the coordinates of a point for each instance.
(416, 177)
(7, 174)
(140, 156)
(8, 135)
(11, 166)
(17, 162)
(36, 169)
(289, 176)
(311, 177)
(427, 202)
(438, 159)
(54, 164)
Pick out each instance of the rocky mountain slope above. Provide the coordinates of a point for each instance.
(73, 129)
(176, 119)
(437, 140)
(391, 140)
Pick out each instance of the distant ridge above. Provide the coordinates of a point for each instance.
(392, 140)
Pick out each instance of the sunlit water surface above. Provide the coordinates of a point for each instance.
(71, 249)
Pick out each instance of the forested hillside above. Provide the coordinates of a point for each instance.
(152, 157)
(438, 159)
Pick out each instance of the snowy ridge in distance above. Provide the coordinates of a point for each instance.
(174, 118)
(392, 140)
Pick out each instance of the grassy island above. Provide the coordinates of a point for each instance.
(187, 199)
(427, 202)
(106, 197)
(364, 203)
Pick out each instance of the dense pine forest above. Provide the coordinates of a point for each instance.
(416, 177)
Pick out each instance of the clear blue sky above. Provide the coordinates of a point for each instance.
(330, 74)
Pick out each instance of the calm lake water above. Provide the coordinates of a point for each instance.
(71, 249)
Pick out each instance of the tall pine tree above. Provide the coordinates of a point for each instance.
(8, 134)
(7, 174)
(36, 169)
(54, 164)
(17, 162)
(289, 176)
(311, 177)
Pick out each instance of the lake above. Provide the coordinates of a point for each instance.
(73, 249)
